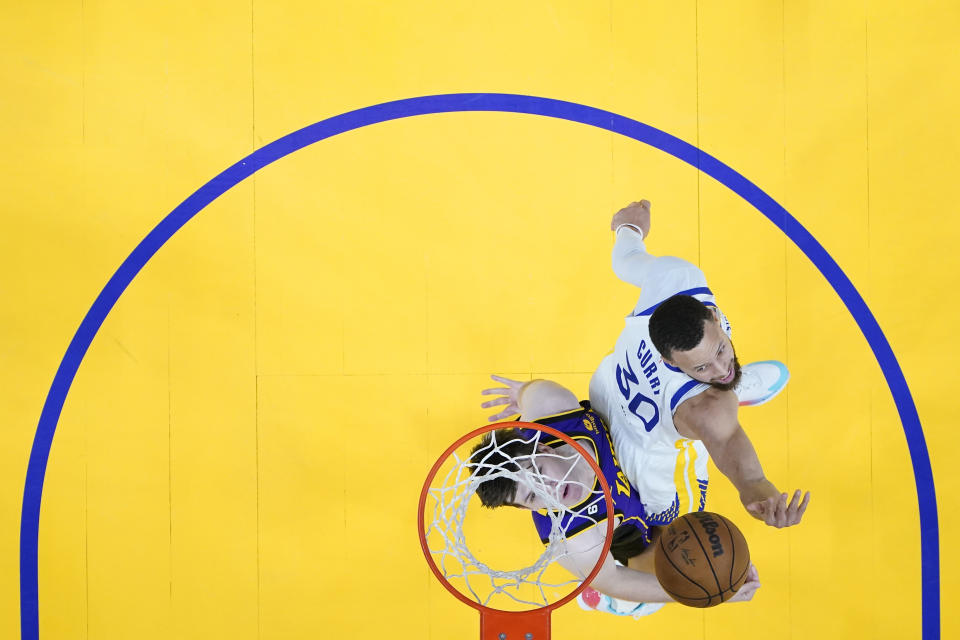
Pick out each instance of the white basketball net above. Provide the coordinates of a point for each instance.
(452, 495)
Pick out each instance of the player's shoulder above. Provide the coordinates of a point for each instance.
(710, 409)
(712, 400)
(583, 418)
(677, 388)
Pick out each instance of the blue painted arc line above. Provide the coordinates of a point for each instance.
(497, 102)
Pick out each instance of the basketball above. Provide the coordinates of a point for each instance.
(701, 559)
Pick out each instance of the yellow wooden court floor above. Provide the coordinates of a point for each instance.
(241, 448)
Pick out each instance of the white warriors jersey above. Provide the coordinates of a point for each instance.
(637, 393)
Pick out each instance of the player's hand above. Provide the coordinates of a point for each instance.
(637, 213)
(746, 591)
(777, 513)
(509, 395)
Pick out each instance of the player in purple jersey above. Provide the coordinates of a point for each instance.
(626, 575)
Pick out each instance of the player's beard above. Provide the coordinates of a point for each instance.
(730, 386)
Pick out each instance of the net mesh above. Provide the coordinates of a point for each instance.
(451, 494)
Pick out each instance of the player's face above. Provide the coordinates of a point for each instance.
(561, 473)
(713, 361)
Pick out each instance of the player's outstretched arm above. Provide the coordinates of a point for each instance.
(626, 583)
(712, 418)
(660, 277)
(532, 400)
(630, 260)
(612, 580)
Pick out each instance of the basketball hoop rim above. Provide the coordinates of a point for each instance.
(607, 495)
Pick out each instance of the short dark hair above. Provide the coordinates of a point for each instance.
(677, 324)
(499, 450)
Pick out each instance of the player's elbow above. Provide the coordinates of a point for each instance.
(542, 398)
(680, 268)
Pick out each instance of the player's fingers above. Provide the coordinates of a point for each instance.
(803, 506)
(750, 583)
(507, 381)
(793, 506)
(770, 510)
(795, 500)
(645, 203)
(498, 391)
(793, 516)
(784, 509)
(781, 509)
(765, 509)
(500, 416)
(494, 403)
(746, 592)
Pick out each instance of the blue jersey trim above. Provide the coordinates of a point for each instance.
(486, 102)
(688, 292)
(678, 396)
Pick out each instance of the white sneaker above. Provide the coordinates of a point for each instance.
(589, 599)
(761, 381)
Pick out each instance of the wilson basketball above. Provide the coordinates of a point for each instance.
(701, 559)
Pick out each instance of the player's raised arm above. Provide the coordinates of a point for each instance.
(658, 276)
(712, 418)
(631, 262)
(532, 400)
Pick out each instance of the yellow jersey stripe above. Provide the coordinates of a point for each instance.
(693, 487)
(680, 474)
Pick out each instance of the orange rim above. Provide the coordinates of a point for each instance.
(608, 497)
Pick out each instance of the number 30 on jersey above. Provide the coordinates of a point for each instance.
(639, 405)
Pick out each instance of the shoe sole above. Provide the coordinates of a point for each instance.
(775, 388)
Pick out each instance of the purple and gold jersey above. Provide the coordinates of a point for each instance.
(587, 429)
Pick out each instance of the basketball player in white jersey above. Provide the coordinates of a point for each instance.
(670, 408)
(667, 392)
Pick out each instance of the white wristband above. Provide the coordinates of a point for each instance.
(631, 226)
